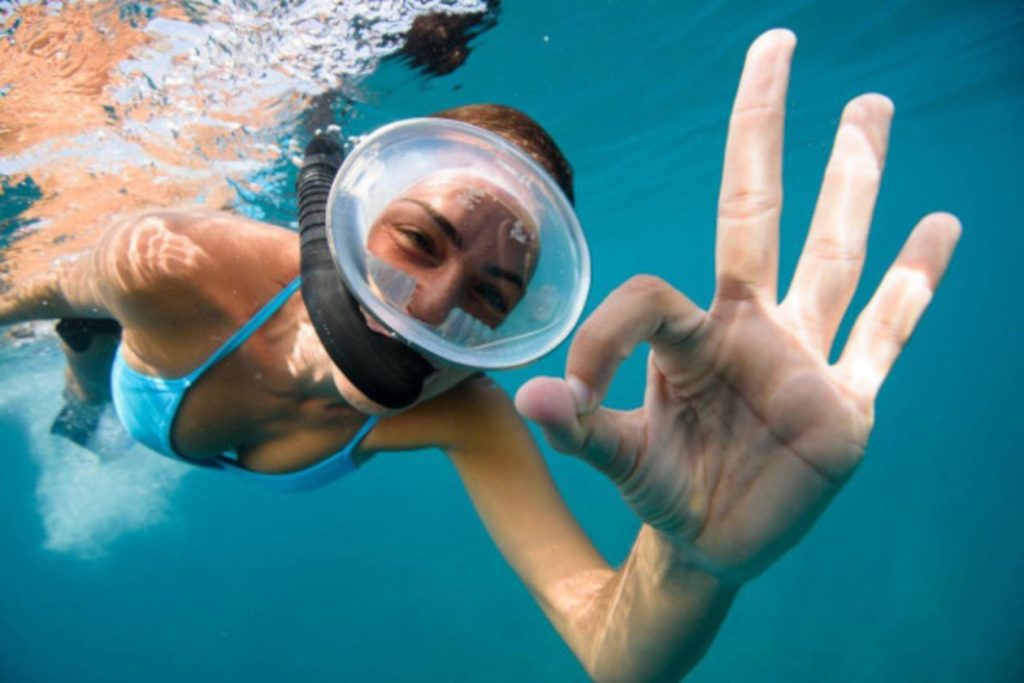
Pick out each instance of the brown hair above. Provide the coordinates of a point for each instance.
(438, 42)
(521, 130)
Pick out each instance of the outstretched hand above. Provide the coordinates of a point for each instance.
(746, 431)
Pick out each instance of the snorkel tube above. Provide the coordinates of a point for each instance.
(387, 371)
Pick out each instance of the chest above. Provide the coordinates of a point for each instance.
(236, 388)
(250, 405)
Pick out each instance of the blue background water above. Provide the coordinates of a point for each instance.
(913, 574)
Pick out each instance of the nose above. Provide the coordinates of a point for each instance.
(436, 295)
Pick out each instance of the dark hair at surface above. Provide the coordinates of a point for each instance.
(521, 130)
(438, 42)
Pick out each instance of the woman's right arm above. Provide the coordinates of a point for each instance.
(63, 290)
(122, 276)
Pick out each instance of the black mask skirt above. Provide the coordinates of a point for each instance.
(387, 371)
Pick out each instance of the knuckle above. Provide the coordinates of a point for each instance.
(756, 114)
(650, 292)
(738, 288)
(594, 339)
(746, 204)
(831, 250)
(806, 317)
(848, 171)
(646, 286)
(888, 330)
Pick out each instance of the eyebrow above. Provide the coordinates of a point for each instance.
(449, 230)
(446, 226)
(499, 272)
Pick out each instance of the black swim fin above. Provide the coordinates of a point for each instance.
(77, 421)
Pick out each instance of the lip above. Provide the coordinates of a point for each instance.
(375, 325)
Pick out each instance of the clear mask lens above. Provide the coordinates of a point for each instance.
(464, 329)
(482, 201)
(398, 289)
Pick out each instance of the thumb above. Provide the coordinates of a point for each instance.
(607, 439)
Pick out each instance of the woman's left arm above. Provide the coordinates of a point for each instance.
(651, 619)
(746, 430)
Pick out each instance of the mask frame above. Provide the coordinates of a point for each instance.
(397, 156)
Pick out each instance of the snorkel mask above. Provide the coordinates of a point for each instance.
(415, 202)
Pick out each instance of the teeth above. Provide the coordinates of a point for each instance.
(376, 326)
(462, 328)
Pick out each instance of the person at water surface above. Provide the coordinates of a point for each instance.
(745, 435)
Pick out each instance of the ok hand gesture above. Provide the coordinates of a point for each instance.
(747, 431)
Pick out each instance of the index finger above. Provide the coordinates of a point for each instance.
(643, 309)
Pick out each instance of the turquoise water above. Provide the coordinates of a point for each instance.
(137, 572)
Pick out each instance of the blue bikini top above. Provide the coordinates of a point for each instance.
(148, 406)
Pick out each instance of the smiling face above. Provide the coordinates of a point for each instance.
(464, 247)
(466, 244)
(435, 228)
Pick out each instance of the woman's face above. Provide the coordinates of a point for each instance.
(467, 245)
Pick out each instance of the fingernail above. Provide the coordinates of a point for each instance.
(581, 393)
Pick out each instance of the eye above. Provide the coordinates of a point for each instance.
(417, 240)
(493, 297)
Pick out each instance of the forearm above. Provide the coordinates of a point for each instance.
(29, 301)
(651, 620)
(60, 290)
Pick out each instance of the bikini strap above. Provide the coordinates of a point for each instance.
(248, 329)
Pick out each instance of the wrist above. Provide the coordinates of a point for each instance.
(681, 563)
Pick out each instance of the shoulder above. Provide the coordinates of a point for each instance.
(155, 248)
(168, 258)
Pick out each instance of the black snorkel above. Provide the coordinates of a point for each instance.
(387, 371)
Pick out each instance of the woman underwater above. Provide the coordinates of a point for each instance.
(745, 434)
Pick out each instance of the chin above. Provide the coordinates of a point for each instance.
(354, 397)
(443, 379)
(446, 377)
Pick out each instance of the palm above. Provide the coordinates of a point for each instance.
(751, 416)
(747, 430)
